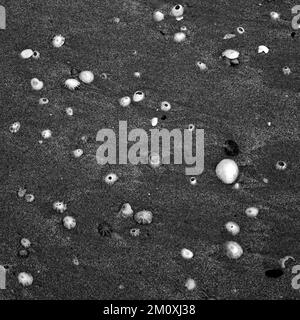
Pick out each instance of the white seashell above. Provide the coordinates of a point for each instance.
(36, 84)
(230, 54)
(15, 127)
(154, 121)
(190, 284)
(29, 197)
(229, 36)
(111, 178)
(138, 96)
(274, 15)
(137, 74)
(240, 30)
(252, 212)
(25, 279)
(21, 192)
(78, 153)
(233, 250)
(86, 76)
(193, 181)
(202, 66)
(69, 111)
(262, 49)
(179, 37)
(143, 217)
(47, 133)
(232, 228)
(134, 232)
(72, 84)
(58, 41)
(125, 101)
(25, 243)
(59, 206)
(165, 106)
(227, 171)
(69, 222)
(158, 16)
(281, 165)
(286, 70)
(26, 54)
(36, 55)
(43, 101)
(177, 11)
(187, 254)
(154, 160)
(126, 210)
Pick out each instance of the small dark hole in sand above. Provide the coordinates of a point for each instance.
(274, 273)
(293, 34)
(164, 117)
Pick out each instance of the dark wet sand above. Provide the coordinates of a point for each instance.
(227, 102)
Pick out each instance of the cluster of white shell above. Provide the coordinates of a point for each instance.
(141, 217)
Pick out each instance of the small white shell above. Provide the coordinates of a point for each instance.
(263, 49)
(286, 70)
(21, 192)
(191, 127)
(274, 15)
(58, 41)
(252, 212)
(43, 101)
(240, 30)
(36, 84)
(154, 160)
(15, 127)
(193, 181)
(233, 250)
(125, 101)
(77, 153)
(232, 227)
(26, 54)
(138, 96)
(69, 222)
(59, 206)
(143, 217)
(227, 171)
(47, 133)
(126, 210)
(230, 54)
(177, 11)
(158, 16)
(186, 254)
(69, 111)
(29, 197)
(154, 121)
(137, 74)
(25, 279)
(202, 66)
(135, 232)
(72, 84)
(229, 36)
(179, 37)
(86, 76)
(165, 106)
(190, 284)
(281, 165)
(111, 178)
(25, 243)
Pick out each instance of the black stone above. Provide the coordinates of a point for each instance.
(274, 273)
(23, 253)
(293, 34)
(163, 117)
(105, 230)
(231, 148)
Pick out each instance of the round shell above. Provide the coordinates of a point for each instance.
(143, 217)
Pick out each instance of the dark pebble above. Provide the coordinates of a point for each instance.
(274, 273)
(105, 230)
(23, 253)
(231, 148)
